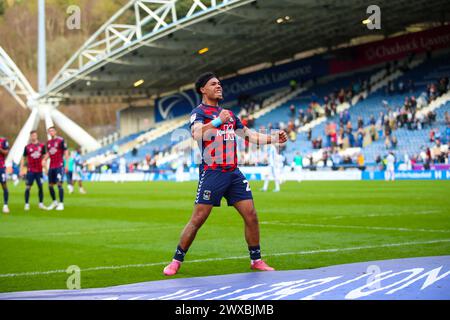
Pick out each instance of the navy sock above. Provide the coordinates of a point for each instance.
(61, 194)
(255, 252)
(41, 194)
(52, 193)
(5, 195)
(179, 254)
(27, 195)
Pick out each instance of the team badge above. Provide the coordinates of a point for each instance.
(206, 195)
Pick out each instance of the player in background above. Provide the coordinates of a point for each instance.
(4, 150)
(273, 169)
(215, 131)
(15, 174)
(74, 173)
(57, 152)
(122, 168)
(297, 166)
(34, 153)
(69, 173)
(390, 167)
(179, 170)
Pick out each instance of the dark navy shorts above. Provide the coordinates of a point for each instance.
(69, 177)
(32, 176)
(55, 175)
(215, 184)
(2, 175)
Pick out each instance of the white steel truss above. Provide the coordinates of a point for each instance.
(13, 80)
(151, 20)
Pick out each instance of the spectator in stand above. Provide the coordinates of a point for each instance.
(442, 87)
(360, 122)
(437, 134)
(413, 103)
(360, 137)
(346, 116)
(317, 143)
(341, 119)
(411, 87)
(356, 87)
(349, 133)
(309, 134)
(431, 135)
(387, 129)
(391, 88)
(394, 142)
(360, 161)
(290, 126)
(341, 96)
(347, 160)
(447, 134)
(401, 87)
(301, 117)
(340, 138)
(336, 158)
(333, 134)
(431, 92)
(327, 135)
(292, 109)
(293, 84)
(292, 135)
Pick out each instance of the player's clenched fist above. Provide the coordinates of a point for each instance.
(225, 116)
(280, 137)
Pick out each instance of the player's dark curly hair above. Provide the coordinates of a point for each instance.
(202, 80)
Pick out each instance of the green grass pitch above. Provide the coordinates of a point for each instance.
(126, 233)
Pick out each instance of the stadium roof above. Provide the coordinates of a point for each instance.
(151, 47)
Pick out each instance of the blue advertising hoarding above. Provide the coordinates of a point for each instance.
(249, 84)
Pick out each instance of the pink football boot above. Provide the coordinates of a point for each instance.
(172, 268)
(261, 265)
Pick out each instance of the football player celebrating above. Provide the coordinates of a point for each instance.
(4, 150)
(215, 131)
(57, 152)
(34, 152)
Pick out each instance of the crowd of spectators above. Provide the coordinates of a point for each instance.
(340, 131)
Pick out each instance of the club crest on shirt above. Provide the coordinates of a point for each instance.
(206, 195)
(36, 154)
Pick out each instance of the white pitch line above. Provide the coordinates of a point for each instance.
(277, 223)
(145, 265)
(82, 232)
(370, 215)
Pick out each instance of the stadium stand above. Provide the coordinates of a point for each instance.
(307, 113)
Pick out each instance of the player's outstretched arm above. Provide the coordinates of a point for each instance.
(261, 138)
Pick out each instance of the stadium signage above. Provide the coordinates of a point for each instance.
(390, 49)
(412, 278)
(248, 84)
(408, 175)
